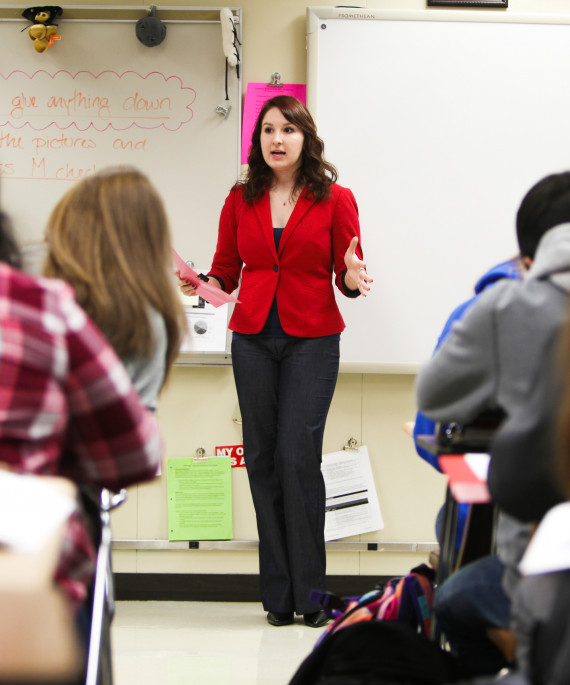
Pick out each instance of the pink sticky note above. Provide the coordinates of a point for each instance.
(214, 296)
(256, 96)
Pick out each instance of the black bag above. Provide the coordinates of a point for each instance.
(377, 653)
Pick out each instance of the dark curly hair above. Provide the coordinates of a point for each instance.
(9, 248)
(315, 174)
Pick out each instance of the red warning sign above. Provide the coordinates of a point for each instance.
(235, 452)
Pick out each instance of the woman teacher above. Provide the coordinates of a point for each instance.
(287, 231)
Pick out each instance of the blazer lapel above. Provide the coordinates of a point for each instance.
(263, 214)
(301, 208)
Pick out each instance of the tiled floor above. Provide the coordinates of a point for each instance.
(215, 643)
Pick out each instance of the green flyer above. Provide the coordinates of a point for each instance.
(199, 498)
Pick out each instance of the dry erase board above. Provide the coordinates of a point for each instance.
(439, 121)
(99, 98)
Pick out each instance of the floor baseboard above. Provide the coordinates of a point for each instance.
(230, 587)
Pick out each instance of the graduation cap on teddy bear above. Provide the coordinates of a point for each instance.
(44, 30)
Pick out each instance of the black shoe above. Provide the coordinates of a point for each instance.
(318, 619)
(277, 619)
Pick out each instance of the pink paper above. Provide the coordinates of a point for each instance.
(214, 296)
(256, 96)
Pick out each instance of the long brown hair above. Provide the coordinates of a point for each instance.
(315, 174)
(108, 237)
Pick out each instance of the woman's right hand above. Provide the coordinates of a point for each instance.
(190, 289)
(185, 286)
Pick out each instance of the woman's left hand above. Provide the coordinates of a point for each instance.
(356, 277)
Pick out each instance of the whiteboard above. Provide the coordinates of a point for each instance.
(100, 98)
(439, 122)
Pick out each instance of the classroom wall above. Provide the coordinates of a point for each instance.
(199, 406)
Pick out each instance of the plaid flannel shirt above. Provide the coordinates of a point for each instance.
(67, 406)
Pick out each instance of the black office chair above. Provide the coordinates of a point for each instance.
(478, 539)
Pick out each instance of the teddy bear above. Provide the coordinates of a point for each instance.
(43, 30)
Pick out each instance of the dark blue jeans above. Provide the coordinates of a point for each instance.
(468, 602)
(285, 387)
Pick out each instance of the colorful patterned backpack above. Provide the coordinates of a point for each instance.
(408, 600)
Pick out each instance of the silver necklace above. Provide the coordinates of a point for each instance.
(280, 199)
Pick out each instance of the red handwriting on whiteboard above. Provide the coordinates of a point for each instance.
(63, 142)
(99, 102)
(120, 144)
(11, 141)
(80, 103)
(22, 103)
(65, 172)
(50, 120)
(137, 103)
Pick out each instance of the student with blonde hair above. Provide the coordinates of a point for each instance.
(108, 237)
(67, 407)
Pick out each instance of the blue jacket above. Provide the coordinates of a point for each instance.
(510, 269)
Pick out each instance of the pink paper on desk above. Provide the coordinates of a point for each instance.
(256, 96)
(214, 296)
(466, 483)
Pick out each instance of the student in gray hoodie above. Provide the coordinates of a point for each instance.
(492, 360)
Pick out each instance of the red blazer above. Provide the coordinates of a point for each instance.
(312, 248)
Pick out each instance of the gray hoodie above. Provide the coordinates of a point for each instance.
(492, 356)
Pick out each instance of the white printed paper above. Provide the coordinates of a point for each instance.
(352, 506)
(207, 326)
(549, 548)
(31, 511)
(478, 462)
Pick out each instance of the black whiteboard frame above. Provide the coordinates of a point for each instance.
(489, 4)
